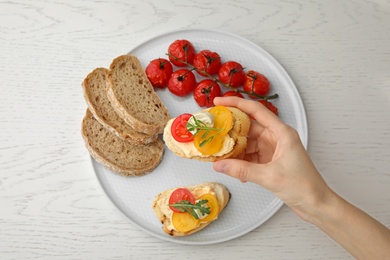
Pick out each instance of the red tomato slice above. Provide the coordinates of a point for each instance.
(179, 195)
(179, 129)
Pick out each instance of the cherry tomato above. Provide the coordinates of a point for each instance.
(179, 129)
(208, 142)
(270, 106)
(232, 93)
(232, 73)
(182, 82)
(179, 195)
(205, 92)
(158, 72)
(181, 50)
(223, 118)
(184, 222)
(207, 61)
(212, 204)
(257, 83)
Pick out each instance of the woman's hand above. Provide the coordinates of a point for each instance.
(275, 159)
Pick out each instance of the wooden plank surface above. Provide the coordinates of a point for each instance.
(52, 205)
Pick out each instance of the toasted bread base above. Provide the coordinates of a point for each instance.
(222, 193)
(239, 131)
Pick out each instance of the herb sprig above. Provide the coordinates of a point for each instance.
(199, 126)
(186, 206)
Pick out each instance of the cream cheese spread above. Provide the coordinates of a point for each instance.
(189, 149)
(164, 202)
(205, 117)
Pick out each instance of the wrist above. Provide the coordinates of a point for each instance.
(352, 228)
(325, 209)
(319, 206)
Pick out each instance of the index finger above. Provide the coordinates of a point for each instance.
(253, 108)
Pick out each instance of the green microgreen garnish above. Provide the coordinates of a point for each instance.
(186, 206)
(199, 126)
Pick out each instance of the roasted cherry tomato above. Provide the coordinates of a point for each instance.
(208, 142)
(179, 195)
(184, 222)
(223, 118)
(207, 61)
(179, 129)
(270, 106)
(232, 93)
(212, 204)
(182, 82)
(232, 73)
(181, 50)
(205, 92)
(257, 83)
(158, 72)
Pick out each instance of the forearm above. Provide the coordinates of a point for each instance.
(357, 232)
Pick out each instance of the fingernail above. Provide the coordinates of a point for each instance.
(219, 166)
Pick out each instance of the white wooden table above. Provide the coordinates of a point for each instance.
(52, 205)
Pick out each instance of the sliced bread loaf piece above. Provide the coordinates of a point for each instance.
(95, 94)
(116, 154)
(133, 97)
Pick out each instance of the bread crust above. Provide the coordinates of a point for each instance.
(239, 131)
(127, 77)
(95, 94)
(222, 193)
(103, 146)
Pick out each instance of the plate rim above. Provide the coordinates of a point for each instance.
(276, 202)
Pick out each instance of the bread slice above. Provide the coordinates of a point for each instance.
(116, 154)
(133, 96)
(164, 213)
(95, 94)
(239, 131)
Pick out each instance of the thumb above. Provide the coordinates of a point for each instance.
(242, 170)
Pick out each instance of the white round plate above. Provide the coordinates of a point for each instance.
(250, 204)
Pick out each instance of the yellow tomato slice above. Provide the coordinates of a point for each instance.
(184, 222)
(208, 143)
(223, 118)
(212, 204)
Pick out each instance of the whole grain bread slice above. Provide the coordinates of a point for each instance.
(95, 94)
(133, 97)
(116, 154)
